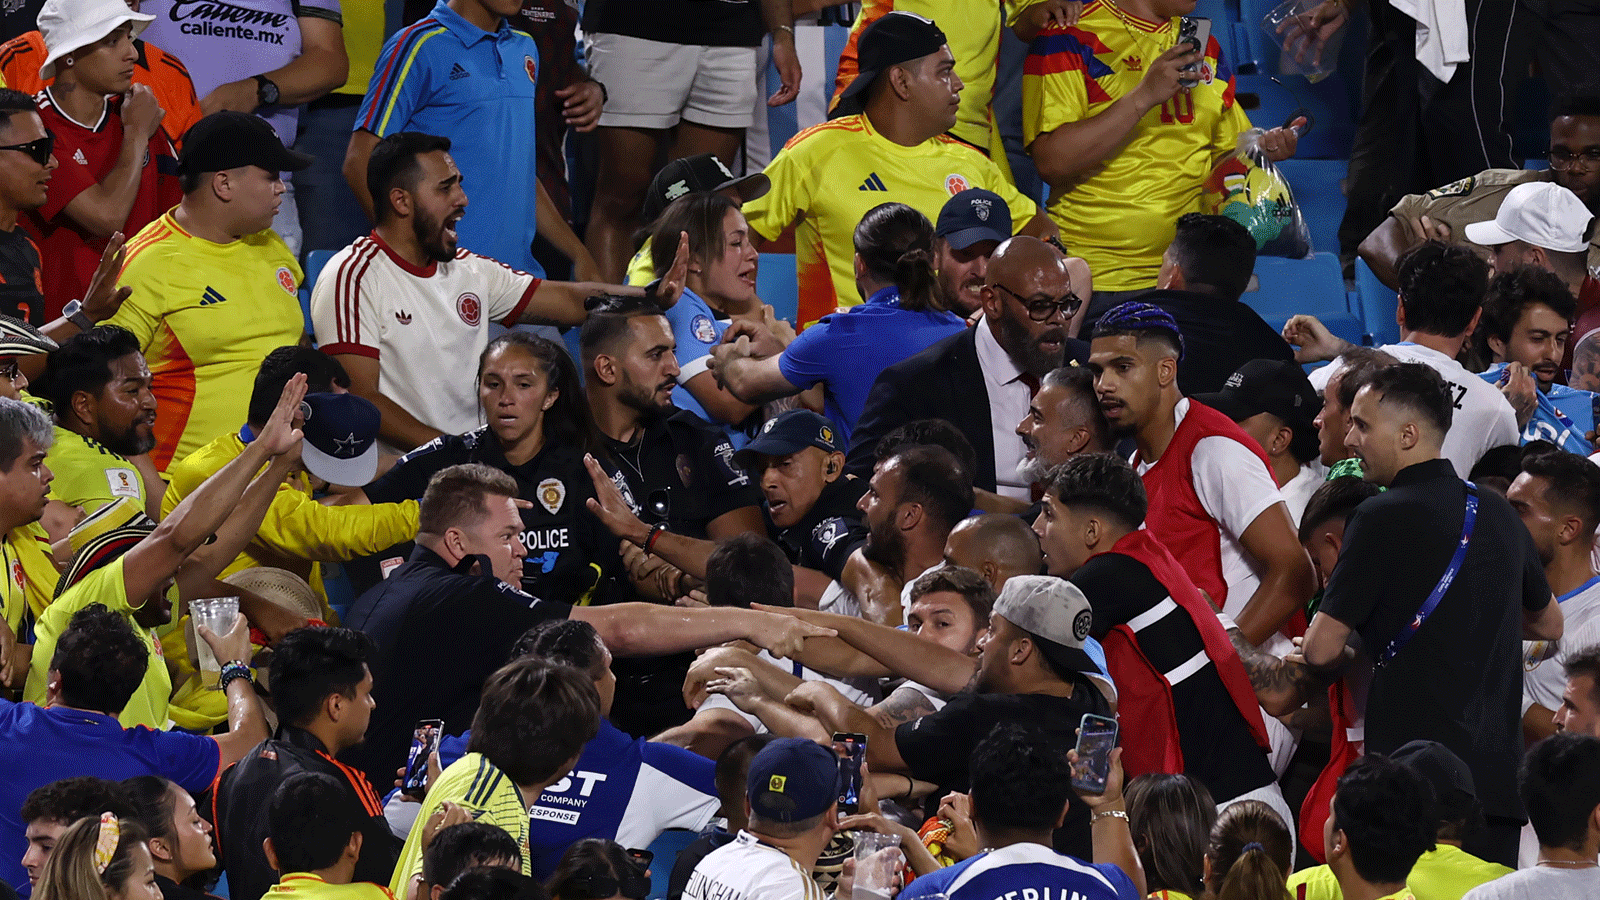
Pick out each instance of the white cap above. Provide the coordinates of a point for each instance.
(1541, 213)
(69, 25)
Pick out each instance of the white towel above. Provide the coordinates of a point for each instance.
(1442, 42)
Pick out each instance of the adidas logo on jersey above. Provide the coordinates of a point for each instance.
(77, 157)
(457, 72)
(873, 183)
(212, 295)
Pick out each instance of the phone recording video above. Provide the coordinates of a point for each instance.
(424, 741)
(852, 753)
(1097, 737)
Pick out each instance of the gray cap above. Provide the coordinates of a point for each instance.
(1050, 608)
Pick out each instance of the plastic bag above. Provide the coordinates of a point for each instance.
(1309, 37)
(1249, 189)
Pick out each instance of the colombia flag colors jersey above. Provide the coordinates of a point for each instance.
(1121, 217)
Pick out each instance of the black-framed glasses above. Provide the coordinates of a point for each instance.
(1562, 159)
(1042, 310)
(39, 150)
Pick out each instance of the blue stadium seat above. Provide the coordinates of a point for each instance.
(1313, 286)
(315, 261)
(1377, 307)
(1318, 188)
(776, 284)
(1269, 105)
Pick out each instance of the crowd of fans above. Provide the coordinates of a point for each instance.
(1025, 467)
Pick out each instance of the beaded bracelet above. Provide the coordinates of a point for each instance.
(234, 670)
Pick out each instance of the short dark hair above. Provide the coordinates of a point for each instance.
(393, 164)
(1103, 482)
(100, 659)
(933, 477)
(467, 846)
(1572, 482)
(732, 772)
(459, 496)
(1512, 293)
(13, 102)
(1577, 103)
(283, 363)
(1585, 661)
(1560, 785)
(83, 363)
(535, 716)
(493, 883)
(1383, 807)
(151, 799)
(610, 321)
(1418, 388)
(311, 664)
(1019, 778)
(928, 433)
(1336, 498)
(968, 585)
(1441, 287)
(309, 820)
(1214, 252)
(70, 799)
(569, 642)
(1171, 817)
(749, 568)
(1356, 367)
(1079, 382)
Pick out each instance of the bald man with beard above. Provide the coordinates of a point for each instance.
(982, 379)
(996, 546)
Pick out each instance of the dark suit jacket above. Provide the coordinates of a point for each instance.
(942, 382)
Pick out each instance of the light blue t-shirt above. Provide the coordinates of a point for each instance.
(697, 329)
(1564, 415)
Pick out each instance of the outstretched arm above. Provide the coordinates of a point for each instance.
(901, 652)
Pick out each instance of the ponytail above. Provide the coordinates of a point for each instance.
(1250, 852)
(1254, 876)
(895, 245)
(917, 282)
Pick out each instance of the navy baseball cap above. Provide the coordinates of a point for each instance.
(971, 216)
(792, 779)
(790, 432)
(895, 38)
(341, 445)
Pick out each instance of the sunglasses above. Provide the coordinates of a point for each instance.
(39, 150)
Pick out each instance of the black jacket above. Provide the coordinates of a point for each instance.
(1219, 336)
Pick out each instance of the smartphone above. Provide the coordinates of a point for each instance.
(424, 740)
(1097, 737)
(1196, 30)
(851, 756)
(641, 858)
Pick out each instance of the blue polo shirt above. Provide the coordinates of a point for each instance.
(846, 352)
(445, 76)
(1564, 415)
(42, 745)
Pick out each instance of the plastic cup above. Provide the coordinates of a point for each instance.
(219, 615)
(1300, 52)
(877, 864)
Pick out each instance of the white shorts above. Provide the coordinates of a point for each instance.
(653, 84)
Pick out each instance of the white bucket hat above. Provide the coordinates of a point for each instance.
(69, 25)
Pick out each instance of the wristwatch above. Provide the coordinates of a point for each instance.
(73, 312)
(266, 90)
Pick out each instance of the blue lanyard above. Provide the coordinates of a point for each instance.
(1429, 605)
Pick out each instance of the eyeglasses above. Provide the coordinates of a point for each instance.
(10, 370)
(39, 150)
(1042, 310)
(1562, 159)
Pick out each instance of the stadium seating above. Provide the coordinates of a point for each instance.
(1319, 189)
(1312, 286)
(1377, 304)
(776, 284)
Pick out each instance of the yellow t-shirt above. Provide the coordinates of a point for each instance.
(831, 175)
(1121, 218)
(473, 782)
(306, 886)
(363, 41)
(148, 706)
(1444, 873)
(206, 315)
(89, 474)
(30, 578)
(641, 269)
(972, 28)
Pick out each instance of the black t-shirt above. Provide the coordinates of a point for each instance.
(938, 747)
(572, 557)
(1218, 748)
(679, 471)
(1459, 680)
(716, 23)
(1219, 336)
(19, 278)
(825, 537)
(441, 632)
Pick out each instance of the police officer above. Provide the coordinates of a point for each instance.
(809, 503)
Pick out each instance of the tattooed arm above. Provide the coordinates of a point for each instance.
(906, 704)
(1281, 686)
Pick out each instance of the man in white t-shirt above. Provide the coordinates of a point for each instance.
(1274, 403)
(407, 311)
(1558, 497)
(1442, 287)
(1213, 501)
(792, 792)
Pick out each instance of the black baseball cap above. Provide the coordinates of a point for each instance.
(228, 140)
(971, 216)
(699, 173)
(895, 38)
(790, 432)
(1274, 386)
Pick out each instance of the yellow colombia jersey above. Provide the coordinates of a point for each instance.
(473, 782)
(831, 175)
(88, 474)
(1446, 872)
(306, 886)
(1122, 217)
(206, 315)
(30, 578)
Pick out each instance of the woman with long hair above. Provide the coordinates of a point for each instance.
(537, 430)
(102, 858)
(1250, 854)
(1171, 817)
(178, 838)
(598, 869)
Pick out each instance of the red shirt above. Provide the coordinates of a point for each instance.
(85, 155)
